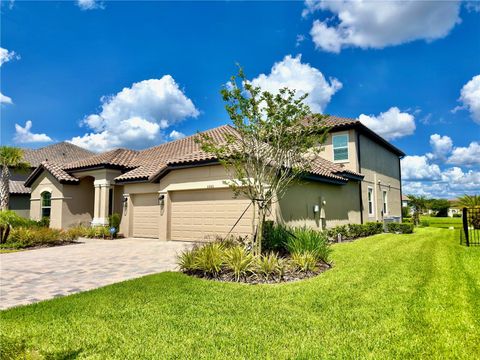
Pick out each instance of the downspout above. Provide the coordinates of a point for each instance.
(401, 192)
(360, 182)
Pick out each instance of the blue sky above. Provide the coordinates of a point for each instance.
(63, 57)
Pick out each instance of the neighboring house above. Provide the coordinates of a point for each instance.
(60, 153)
(455, 208)
(175, 191)
(405, 201)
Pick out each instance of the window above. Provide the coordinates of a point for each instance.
(340, 147)
(46, 204)
(370, 201)
(385, 207)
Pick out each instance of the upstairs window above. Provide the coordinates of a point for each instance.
(46, 204)
(340, 147)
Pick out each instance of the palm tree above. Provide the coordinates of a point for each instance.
(469, 201)
(10, 157)
(419, 204)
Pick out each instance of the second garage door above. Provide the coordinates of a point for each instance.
(202, 214)
(146, 214)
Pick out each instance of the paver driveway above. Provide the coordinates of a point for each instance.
(35, 275)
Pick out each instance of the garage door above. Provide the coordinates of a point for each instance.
(200, 215)
(146, 214)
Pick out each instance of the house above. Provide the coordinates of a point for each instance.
(60, 153)
(455, 209)
(405, 201)
(175, 191)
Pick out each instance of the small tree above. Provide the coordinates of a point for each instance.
(418, 204)
(10, 157)
(440, 206)
(272, 146)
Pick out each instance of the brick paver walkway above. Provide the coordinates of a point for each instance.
(35, 275)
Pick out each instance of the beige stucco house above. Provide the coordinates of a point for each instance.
(175, 191)
(60, 153)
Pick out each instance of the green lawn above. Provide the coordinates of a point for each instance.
(388, 296)
(443, 222)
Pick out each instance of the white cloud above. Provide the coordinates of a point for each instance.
(135, 116)
(470, 98)
(90, 4)
(377, 24)
(176, 135)
(6, 56)
(441, 147)
(5, 99)
(24, 135)
(391, 124)
(418, 168)
(300, 38)
(292, 73)
(466, 156)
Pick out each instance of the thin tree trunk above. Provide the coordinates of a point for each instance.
(261, 221)
(4, 188)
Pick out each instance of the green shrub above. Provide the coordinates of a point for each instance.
(402, 228)
(23, 237)
(275, 237)
(457, 215)
(97, 232)
(425, 223)
(114, 221)
(308, 240)
(342, 230)
(238, 260)
(209, 258)
(187, 260)
(305, 261)
(269, 266)
(373, 228)
(75, 232)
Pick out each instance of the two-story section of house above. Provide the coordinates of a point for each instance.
(359, 149)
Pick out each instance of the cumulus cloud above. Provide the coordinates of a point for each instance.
(24, 135)
(392, 124)
(470, 98)
(377, 24)
(292, 73)
(90, 4)
(466, 156)
(5, 99)
(135, 116)
(176, 135)
(417, 167)
(441, 147)
(6, 56)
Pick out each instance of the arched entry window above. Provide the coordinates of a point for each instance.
(46, 204)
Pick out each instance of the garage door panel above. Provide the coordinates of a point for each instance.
(203, 214)
(146, 215)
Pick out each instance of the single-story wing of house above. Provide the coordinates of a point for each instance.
(176, 191)
(60, 153)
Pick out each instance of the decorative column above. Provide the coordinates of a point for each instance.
(102, 200)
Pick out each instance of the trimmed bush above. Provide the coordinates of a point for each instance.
(425, 223)
(275, 237)
(402, 228)
(354, 231)
(23, 237)
(308, 240)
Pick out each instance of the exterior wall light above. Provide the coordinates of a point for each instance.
(161, 200)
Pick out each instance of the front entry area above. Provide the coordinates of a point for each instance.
(200, 215)
(146, 215)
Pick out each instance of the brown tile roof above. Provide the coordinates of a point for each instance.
(118, 157)
(149, 164)
(54, 169)
(61, 153)
(17, 187)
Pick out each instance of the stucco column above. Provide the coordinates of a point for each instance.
(102, 195)
(163, 231)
